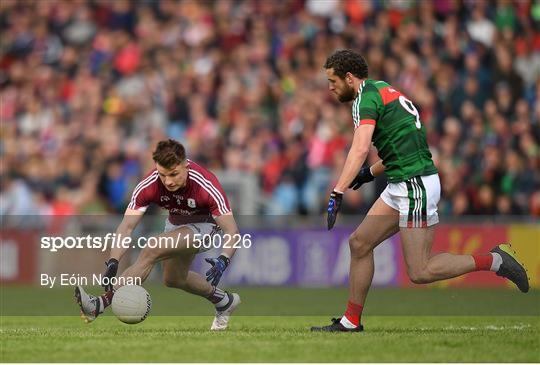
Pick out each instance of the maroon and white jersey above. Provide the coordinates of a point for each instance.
(201, 198)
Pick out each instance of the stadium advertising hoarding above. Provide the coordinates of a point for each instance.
(294, 257)
(19, 254)
(310, 257)
(313, 257)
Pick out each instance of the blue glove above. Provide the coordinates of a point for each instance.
(333, 208)
(364, 176)
(213, 275)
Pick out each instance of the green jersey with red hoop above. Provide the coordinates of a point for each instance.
(399, 136)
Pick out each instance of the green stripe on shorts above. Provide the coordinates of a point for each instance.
(424, 201)
(410, 193)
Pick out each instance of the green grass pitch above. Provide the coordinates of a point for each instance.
(427, 326)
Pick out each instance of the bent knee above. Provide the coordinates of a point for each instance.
(420, 276)
(149, 255)
(359, 245)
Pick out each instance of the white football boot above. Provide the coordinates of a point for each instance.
(89, 304)
(221, 320)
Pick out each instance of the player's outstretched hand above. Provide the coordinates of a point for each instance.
(333, 207)
(364, 176)
(213, 275)
(110, 272)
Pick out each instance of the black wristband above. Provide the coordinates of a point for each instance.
(112, 261)
(366, 171)
(335, 194)
(225, 259)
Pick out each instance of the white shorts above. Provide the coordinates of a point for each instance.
(204, 229)
(416, 200)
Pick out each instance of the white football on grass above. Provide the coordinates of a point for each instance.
(131, 304)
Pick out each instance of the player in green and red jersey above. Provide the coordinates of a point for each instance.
(408, 205)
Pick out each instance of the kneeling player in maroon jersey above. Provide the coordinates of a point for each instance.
(197, 207)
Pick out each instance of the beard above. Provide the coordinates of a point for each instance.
(347, 95)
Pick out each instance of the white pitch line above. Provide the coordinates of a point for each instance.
(488, 328)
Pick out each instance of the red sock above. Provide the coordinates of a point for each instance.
(353, 313)
(106, 298)
(483, 262)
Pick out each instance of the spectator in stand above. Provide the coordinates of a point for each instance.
(88, 86)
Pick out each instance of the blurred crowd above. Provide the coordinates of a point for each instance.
(89, 86)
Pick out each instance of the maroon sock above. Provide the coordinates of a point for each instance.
(106, 298)
(483, 262)
(217, 295)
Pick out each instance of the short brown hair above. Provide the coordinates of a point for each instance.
(169, 153)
